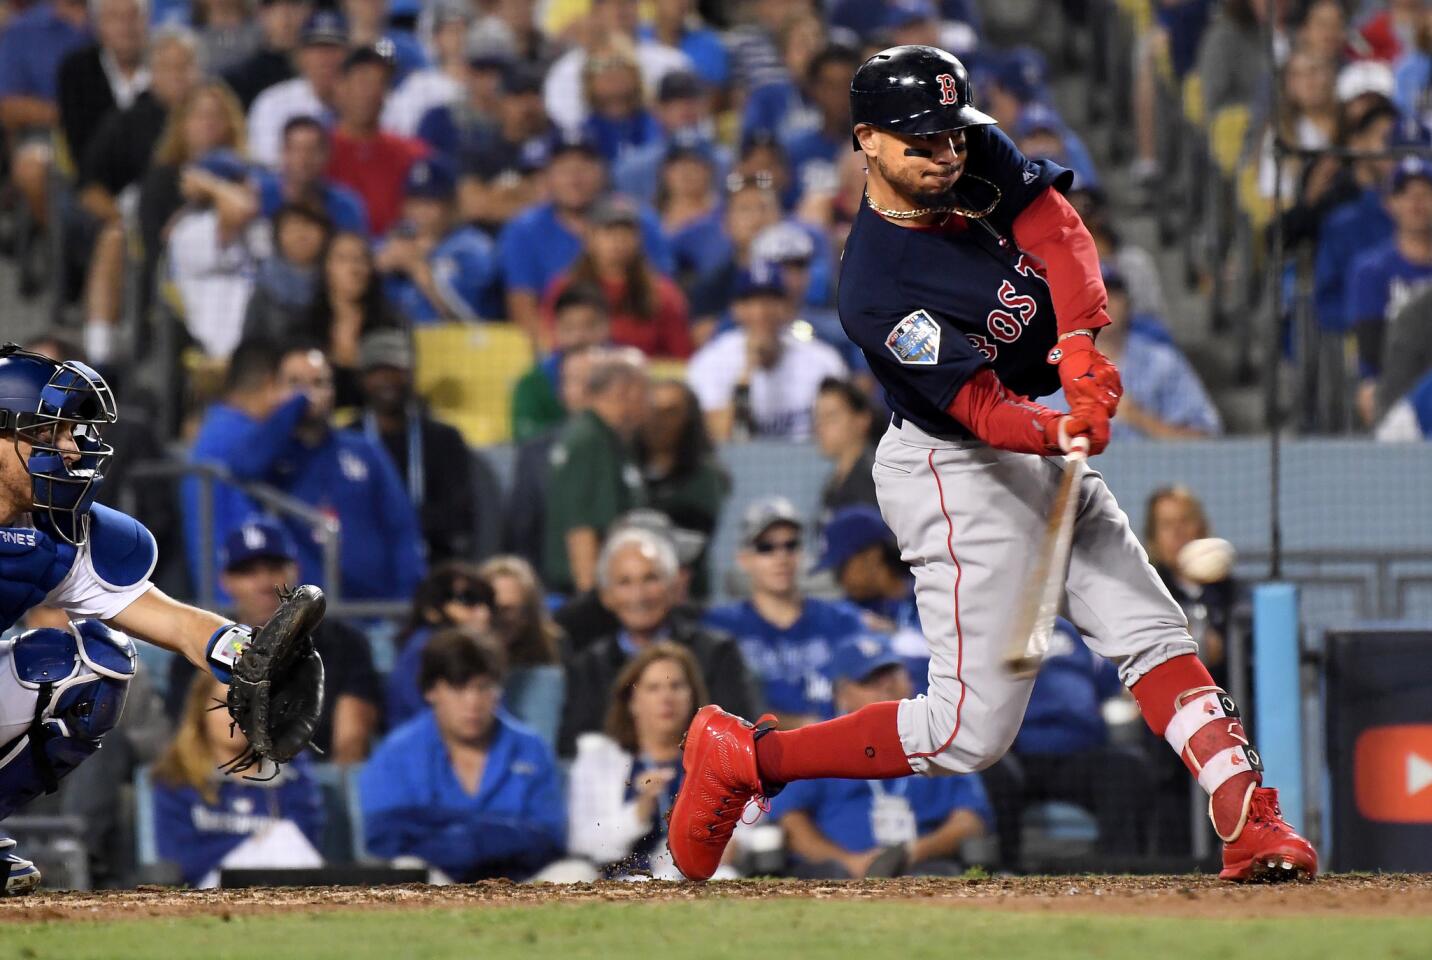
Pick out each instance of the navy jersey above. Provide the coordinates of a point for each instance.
(929, 306)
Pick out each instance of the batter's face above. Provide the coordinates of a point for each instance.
(921, 170)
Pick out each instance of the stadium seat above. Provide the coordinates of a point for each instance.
(1227, 134)
(466, 373)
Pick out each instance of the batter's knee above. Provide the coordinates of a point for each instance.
(945, 739)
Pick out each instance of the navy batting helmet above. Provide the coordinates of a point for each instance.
(913, 89)
(39, 397)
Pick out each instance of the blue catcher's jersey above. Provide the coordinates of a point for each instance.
(929, 306)
(99, 579)
(791, 662)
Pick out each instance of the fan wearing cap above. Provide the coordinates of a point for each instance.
(723, 248)
(313, 93)
(369, 26)
(215, 244)
(433, 461)
(364, 157)
(1386, 277)
(838, 829)
(469, 116)
(257, 559)
(785, 636)
(1039, 134)
(541, 242)
(761, 379)
(438, 268)
(685, 120)
(437, 85)
(647, 310)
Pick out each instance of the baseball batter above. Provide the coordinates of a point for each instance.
(970, 285)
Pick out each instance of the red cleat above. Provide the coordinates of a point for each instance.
(718, 758)
(1266, 848)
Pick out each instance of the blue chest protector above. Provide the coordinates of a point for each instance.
(32, 563)
(77, 680)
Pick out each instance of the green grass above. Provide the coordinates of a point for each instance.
(745, 930)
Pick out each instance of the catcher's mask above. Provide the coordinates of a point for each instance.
(41, 402)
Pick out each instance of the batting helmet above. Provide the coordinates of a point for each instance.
(38, 397)
(913, 89)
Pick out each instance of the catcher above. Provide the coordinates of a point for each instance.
(62, 690)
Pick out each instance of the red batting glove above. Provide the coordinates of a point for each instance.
(1089, 423)
(1087, 375)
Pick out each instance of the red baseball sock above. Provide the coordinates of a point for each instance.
(864, 745)
(1181, 703)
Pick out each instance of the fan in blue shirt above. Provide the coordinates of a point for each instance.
(868, 828)
(462, 785)
(1384, 278)
(785, 637)
(437, 268)
(539, 244)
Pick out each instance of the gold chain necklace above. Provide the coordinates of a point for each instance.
(926, 211)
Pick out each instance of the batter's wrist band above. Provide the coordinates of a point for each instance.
(224, 649)
(1081, 332)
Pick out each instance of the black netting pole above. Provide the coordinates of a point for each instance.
(1273, 355)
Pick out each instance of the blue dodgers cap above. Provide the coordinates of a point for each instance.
(857, 658)
(224, 164)
(1409, 168)
(258, 537)
(851, 530)
(758, 280)
(325, 28)
(1036, 117)
(431, 178)
(902, 13)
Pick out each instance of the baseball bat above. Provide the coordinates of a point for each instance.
(1029, 638)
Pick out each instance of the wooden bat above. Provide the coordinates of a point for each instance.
(1029, 638)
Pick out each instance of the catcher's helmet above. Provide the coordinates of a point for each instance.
(913, 89)
(37, 397)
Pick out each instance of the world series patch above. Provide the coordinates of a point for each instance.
(916, 339)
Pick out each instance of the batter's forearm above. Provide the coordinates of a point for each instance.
(1002, 419)
(1050, 228)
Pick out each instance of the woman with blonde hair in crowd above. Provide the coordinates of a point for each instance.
(204, 820)
(624, 780)
(209, 118)
(536, 682)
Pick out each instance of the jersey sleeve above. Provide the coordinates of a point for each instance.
(111, 571)
(994, 157)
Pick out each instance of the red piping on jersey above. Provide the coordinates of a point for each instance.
(959, 633)
(1050, 228)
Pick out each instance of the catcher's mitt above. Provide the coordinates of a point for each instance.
(276, 693)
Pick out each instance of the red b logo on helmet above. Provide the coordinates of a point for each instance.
(949, 93)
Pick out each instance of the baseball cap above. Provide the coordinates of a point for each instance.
(902, 13)
(1365, 76)
(1113, 277)
(385, 348)
(766, 513)
(380, 52)
(680, 85)
(1036, 117)
(857, 658)
(431, 178)
(849, 531)
(325, 28)
(573, 141)
(783, 242)
(760, 279)
(258, 537)
(1409, 168)
(521, 78)
(224, 164)
(615, 210)
(450, 11)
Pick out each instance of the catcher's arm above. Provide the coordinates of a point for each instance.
(165, 622)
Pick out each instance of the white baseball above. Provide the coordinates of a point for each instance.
(1206, 561)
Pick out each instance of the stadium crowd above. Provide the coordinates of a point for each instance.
(652, 198)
